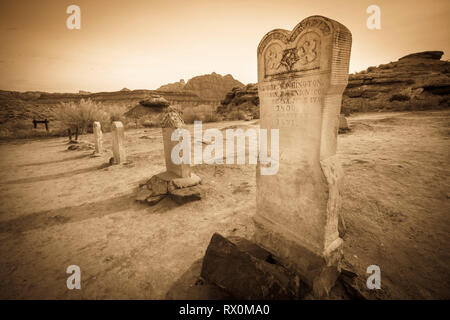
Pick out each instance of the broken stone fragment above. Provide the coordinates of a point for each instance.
(248, 272)
(158, 185)
(154, 199)
(186, 194)
(143, 193)
(181, 190)
(352, 286)
(81, 145)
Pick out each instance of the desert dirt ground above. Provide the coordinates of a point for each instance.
(61, 208)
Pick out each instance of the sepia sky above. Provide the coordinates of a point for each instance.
(142, 44)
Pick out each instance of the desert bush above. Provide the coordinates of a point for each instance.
(399, 97)
(24, 129)
(82, 114)
(208, 113)
(429, 103)
(255, 114)
(233, 115)
(189, 115)
(210, 117)
(148, 123)
(397, 105)
(386, 66)
(237, 115)
(115, 113)
(204, 113)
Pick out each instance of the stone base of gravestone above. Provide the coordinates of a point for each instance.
(319, 272)
(178, 182)
(248, 272)
(168, 184)
(319, 269)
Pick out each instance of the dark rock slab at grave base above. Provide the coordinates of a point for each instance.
(154, 199)
(143, 193)
(353, 288)
(248, 272)
(158, 185)
(191, 286)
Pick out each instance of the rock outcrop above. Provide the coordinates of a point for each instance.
(209, 86)
(241, 100)
(417, 81)
(150, 110)
(176, 86)
(435, 55)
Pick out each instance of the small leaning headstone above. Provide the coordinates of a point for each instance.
(118, 137)
(98, 138)
(171, 121)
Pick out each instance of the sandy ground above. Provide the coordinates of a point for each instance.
(61, 208)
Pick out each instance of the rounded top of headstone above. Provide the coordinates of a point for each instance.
(284, 54)
(171, 118)
(155, 101)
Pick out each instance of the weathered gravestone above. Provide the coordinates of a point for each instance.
(118, 137)
(171, 121)
(177, 181)
(301, 77)
(98, 138)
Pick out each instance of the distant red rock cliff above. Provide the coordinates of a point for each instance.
(209, 86)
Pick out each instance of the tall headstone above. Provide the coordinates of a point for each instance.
(170, 122)
(301, 77)
(98, 137)
(118, 137)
